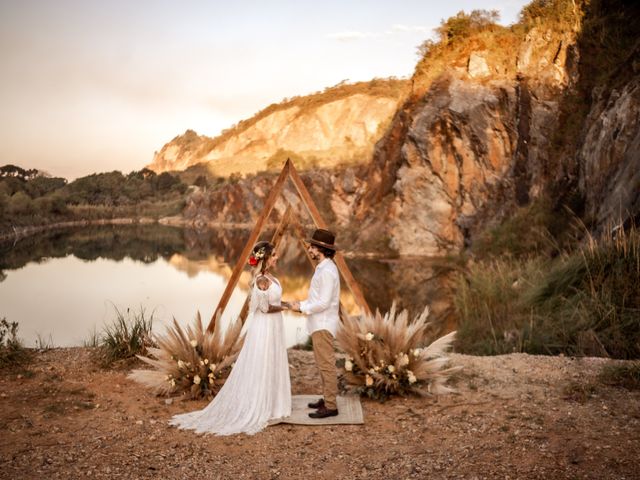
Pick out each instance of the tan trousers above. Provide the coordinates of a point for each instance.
(325, 360)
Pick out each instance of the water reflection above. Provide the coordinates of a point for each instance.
(66, 283)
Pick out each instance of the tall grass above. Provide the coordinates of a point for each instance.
(93, 339)
(12, 352)
(625, 376)
(491, 317)
(584, 302)
(127, 336)
(44, 344)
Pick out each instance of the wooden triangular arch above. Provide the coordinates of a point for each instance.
(288, 220)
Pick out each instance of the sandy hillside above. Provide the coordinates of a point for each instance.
(515, 416)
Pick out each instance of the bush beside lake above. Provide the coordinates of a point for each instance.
(29, 197)
(580, 299)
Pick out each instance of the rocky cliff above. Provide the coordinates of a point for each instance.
(497, 118)
(609, 157)
(340, 125)
(515, 115)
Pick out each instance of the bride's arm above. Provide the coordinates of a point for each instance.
(276, 308)
(263, 284)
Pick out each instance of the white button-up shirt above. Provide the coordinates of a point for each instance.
(323, 304)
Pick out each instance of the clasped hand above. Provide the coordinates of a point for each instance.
(293, 306)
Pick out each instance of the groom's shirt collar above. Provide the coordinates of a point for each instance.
(323, 262)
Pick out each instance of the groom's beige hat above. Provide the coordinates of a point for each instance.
(323, 238)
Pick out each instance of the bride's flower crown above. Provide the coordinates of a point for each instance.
(255, 257)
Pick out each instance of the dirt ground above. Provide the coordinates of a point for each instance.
(514, 417)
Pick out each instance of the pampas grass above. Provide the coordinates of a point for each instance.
(194, 362)
(388, 355)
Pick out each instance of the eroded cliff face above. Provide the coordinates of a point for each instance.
(476, 134)
(180, 153)
(610, 154)
(481, 138)
(458, 145)
(497, 125)
(239, 203)
(328, 133)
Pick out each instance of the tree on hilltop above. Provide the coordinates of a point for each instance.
(18, 172)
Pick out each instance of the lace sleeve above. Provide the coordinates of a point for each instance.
(259, 300)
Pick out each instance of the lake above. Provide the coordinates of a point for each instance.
(60, 286)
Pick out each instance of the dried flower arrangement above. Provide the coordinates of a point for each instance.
(195, 363)
(387, 355)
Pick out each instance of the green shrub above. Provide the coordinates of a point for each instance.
(585, 302)
(463, 25)
(491, 317)
(558, 11)
(625, 376)
(129, 335)
(12, 352)
(307, 345)
(21, 204)
(599, 287)
(539, 228)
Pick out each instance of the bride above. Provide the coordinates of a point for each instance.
(258, 388)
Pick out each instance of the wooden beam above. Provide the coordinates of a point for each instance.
(275, 240)
(290, 172)
(282, 227)
(319, 221)
(306, 198)
(244, 256)
(299, 233)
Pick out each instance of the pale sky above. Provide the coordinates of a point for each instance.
(90, 86)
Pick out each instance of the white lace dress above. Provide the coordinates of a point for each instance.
(258, 388)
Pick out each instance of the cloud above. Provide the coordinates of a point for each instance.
(350, 36)
(399, 28)
(396, 29)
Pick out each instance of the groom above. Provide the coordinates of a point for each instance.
(322, 308)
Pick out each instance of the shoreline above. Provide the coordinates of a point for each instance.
(20, 233)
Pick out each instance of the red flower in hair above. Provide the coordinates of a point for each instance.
(257, 256)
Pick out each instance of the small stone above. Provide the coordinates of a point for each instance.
(139, 422)
(168, 401)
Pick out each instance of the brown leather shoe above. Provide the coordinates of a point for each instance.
(324, 412)
(316, 404)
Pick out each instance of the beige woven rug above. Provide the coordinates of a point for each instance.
(349, 412)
